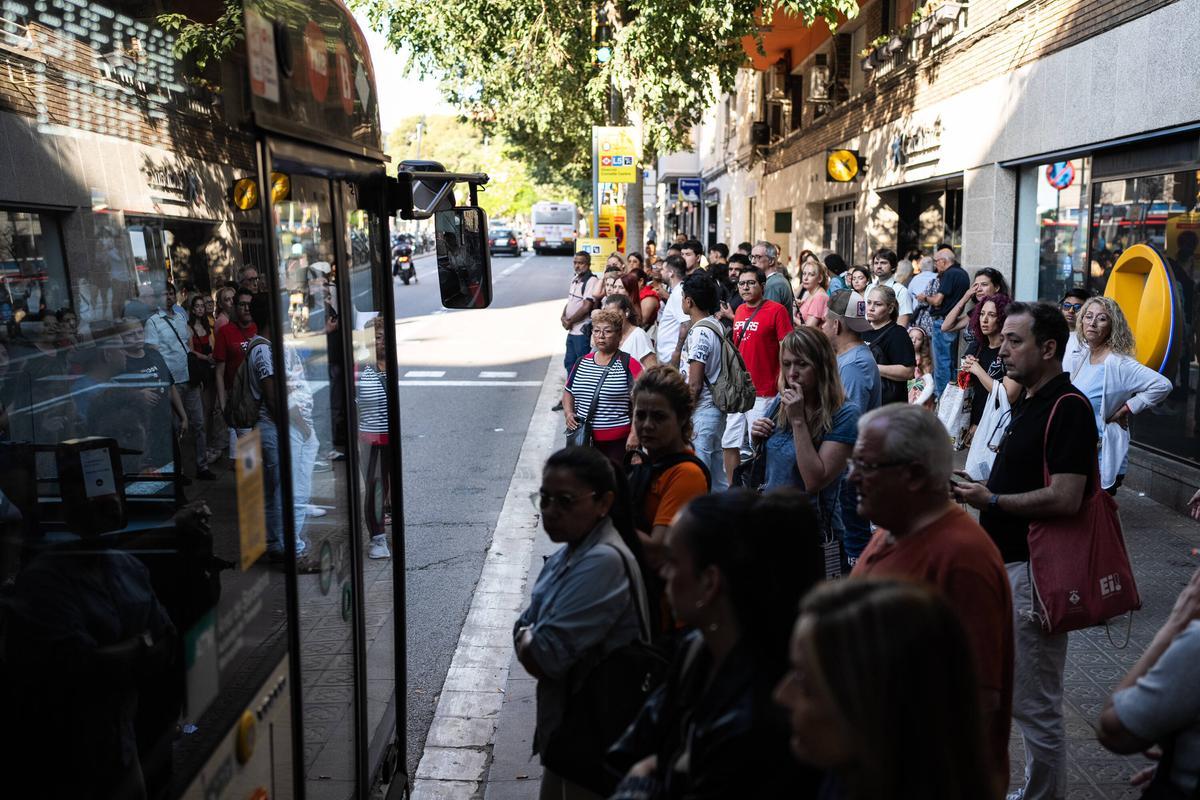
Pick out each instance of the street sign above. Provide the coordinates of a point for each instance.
(616, 154)
(599, 250)
(690, 189)
(1060, 174)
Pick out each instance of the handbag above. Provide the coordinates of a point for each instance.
(997, 413)
(1079, 566)
(752, 473)
(954, 411)
(200, 372)
(611, 691)
(581, 436)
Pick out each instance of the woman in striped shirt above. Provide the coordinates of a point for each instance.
(598, 389)
(371, 398)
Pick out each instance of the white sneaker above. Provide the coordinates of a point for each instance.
(316, 511)
(379, 547)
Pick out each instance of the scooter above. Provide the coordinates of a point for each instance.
(402, 264)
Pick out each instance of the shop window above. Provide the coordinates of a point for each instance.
(1052, 224)
(1163, 211)
(32, 270)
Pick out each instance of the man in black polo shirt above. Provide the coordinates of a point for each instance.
(1035, 335)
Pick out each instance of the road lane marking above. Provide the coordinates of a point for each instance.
(469, 383)
(425, 373)
(487, 373)
(454, 763)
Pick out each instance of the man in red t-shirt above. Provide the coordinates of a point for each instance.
(229, 349)
(901, 467)
(758, 327)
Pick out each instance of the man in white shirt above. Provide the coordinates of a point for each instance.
(671, 316)
(699, 359)
(167, 332)
(883, 265)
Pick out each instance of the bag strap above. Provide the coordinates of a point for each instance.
(643, 616)
(738, 341)
(186, 349)
(599, 385)
(724, 341)
(1095, 476)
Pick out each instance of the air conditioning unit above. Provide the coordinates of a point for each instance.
(760, 133)
(776, 82)
(820, 84)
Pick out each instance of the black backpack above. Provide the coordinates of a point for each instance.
(642, 477)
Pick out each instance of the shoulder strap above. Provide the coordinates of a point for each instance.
(599, 385)
(635, 594)
(1095, 476)
(738, 341)
(172, 328)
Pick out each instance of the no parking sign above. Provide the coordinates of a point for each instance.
(1060, 174)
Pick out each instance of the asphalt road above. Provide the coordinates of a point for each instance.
(468, 384)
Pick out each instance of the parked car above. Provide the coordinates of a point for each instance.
(504, 240)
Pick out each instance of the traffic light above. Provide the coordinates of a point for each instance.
(601, 35)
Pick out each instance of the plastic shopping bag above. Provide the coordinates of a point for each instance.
(996, 415)
(954, 410)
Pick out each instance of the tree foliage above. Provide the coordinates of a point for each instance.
(525, 68)
(462, 147)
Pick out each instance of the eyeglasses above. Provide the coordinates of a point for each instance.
(1000, 432)
(747, 284)
(762, 257)
(871, 467)
(1072, 306)
(543, 500)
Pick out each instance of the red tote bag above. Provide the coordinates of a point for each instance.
(1079, 565)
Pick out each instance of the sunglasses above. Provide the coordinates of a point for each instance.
(1072, 306)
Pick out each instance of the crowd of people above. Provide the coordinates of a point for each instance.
(160, 380)
(730, 519)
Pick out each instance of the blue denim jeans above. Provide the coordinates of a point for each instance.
(304, 456)
(945, 356)
(708, 426)
(577, 347)
(857, 531)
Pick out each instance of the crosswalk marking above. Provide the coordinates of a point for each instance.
(425, 373)
(493, 374)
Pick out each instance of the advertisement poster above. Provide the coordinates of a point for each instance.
(616, 154)
(612, 225)
(599, 250)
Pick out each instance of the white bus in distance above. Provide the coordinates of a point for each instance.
(554, 227)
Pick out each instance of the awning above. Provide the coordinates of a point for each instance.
(949, 177)
(786, 37)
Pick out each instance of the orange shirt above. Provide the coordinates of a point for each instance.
(955, 555)
(672, 490)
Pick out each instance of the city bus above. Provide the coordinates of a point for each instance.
(554, 227)
(202, 532)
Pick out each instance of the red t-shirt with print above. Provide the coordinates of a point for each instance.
(758, 342)
(230, 348)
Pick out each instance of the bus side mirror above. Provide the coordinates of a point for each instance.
(464, 259)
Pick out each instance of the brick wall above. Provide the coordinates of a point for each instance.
(992, 41)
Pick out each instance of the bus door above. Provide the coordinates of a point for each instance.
(328, 245)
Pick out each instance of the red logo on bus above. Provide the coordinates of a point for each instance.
(316, 55)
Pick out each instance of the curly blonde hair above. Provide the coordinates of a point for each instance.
(1120, 337)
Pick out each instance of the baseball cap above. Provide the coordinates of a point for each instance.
(851, 307)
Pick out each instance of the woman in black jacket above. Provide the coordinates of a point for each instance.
(737, 565)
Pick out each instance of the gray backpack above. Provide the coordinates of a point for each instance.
(733, 392)
(241, 407)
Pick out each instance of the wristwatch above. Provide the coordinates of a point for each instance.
(994, 502)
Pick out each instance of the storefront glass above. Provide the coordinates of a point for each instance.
(32, 273)
(1162, 211)
(1052, 219)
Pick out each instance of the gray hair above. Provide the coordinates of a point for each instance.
(772, 250)
(914, 435)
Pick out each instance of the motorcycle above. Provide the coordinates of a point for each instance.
(402, 263)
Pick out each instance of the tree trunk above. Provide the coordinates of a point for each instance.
(634, 212)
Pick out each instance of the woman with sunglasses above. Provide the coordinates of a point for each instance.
(588, 601)
(1070, 305)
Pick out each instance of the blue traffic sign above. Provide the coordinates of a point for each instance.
(1060, 174)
